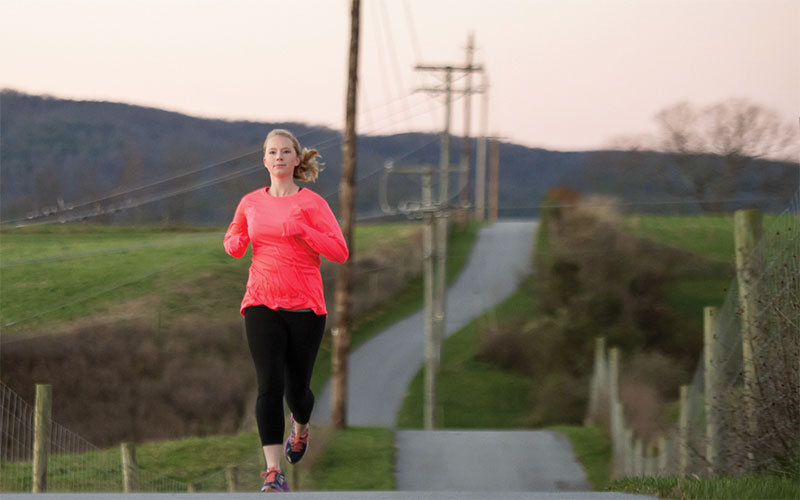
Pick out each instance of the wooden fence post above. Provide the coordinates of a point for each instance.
(231, 477)
(630, 465)
(130, 468)
(663, 456)
(615, 411)
(599, 383)
(683, 432)
(713, 358)
(749, 268)
(638, 457)
(650, 461)
(42, 428)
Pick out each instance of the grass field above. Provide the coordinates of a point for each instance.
(56, 274)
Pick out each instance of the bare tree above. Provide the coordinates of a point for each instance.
(713, 146)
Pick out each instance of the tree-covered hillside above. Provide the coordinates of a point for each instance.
(119, 163)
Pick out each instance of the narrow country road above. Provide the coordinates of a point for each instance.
(382, 368)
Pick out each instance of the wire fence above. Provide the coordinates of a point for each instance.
(741, 411)
(73, 464)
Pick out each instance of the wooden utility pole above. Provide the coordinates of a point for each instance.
(440, 224)
(494, 177)
(466, 140)
(431, 350)
(347, 188)
(480, 161)
(430, 212)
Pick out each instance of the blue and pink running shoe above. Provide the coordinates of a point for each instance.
(296, 444)
(274, 481)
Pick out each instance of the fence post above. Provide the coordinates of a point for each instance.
(130, 468)
(713, 357)
(629, 458)
(663, 456)
(599, 383)
(683, 432)
(749, 268)
(650, 461)
(42, 428)
(231, 473)
(615, 410)
(638, 457)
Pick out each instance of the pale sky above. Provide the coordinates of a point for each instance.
(563, 74)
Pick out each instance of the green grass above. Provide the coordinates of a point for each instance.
(357, 458)
(55, 274)
(707, 235)
(53, 277)
(592, 448)
(369, 236)
(163, 466)
(710, 237)
(723, 488)
(471, 393)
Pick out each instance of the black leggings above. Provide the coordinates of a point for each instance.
(284, 346)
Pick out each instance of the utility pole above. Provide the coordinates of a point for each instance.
(440, 223)
(494, 177)
(431, 214)
(347, 187)
(466, 140)
(480, 163)
(431, 346)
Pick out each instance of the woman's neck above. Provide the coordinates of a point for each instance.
(283, 187)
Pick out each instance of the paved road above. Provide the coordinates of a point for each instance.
(487, 461)
(382, 368)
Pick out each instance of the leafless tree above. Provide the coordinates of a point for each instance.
(713, 146)
(712, 151)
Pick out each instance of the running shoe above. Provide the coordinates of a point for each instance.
(274, 481)
(296, 445)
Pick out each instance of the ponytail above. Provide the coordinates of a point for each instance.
(309, 167)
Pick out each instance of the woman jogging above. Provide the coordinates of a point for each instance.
(283, 306)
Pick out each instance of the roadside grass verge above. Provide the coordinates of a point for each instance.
(357, 458)
(472, 393)
(592, 448)
(751, 487)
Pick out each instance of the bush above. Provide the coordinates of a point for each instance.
(127, 381)
(560, 399)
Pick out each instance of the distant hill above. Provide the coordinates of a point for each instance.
(118, 163)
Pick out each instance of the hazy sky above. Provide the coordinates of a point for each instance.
(563, 74)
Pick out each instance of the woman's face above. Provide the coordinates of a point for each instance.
(280, 158)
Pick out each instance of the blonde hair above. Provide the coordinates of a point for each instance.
(309, 167)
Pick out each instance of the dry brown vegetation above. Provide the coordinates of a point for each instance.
(595, 279)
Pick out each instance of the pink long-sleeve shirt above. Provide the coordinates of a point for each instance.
(288, 235)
